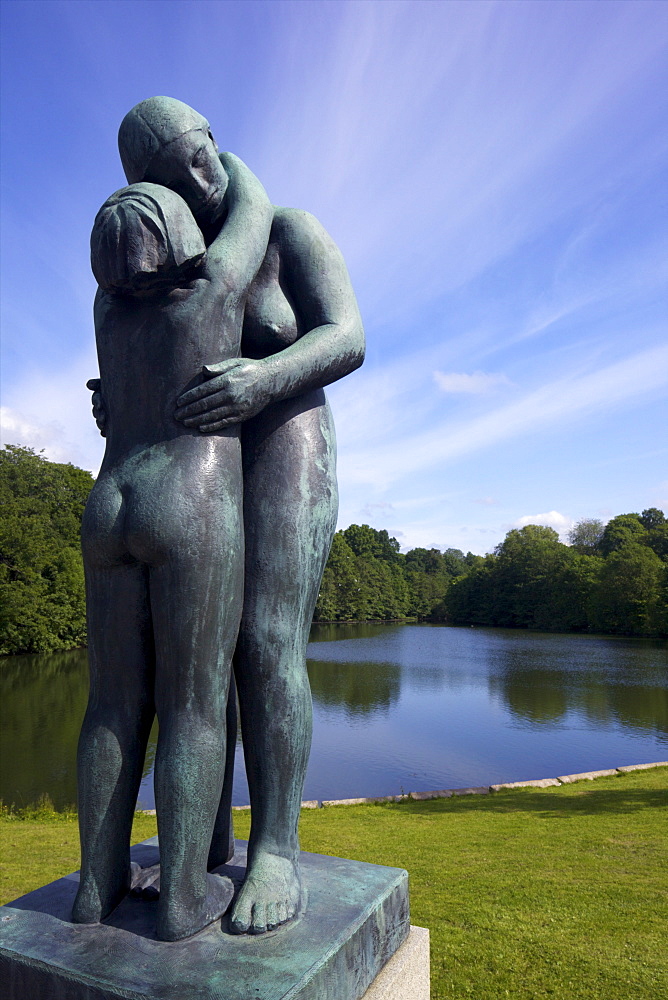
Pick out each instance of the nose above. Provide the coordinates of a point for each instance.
(201, 184)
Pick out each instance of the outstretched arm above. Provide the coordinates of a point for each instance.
(319, 288)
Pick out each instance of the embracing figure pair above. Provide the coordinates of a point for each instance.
(218, 320)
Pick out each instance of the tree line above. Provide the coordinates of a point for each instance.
(612, 578)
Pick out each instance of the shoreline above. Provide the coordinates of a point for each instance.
(446, 793)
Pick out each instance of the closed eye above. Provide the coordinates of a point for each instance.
(199, 158)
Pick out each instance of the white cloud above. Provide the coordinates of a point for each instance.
(561, 523)
(51, 411)
(478, 382)
(48, 437)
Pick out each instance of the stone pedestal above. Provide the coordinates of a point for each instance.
(357, 919)
(407, 974)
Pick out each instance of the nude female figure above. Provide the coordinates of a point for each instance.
(162, 539)
(301, 331)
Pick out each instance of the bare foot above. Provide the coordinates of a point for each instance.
(178, 920)
(93, 903)
(272, 893)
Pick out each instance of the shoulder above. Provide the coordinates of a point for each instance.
(295, 230)
(294, 221)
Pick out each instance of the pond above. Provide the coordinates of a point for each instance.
(396, 708)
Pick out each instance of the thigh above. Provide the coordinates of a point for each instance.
(120, 636)
(196, 596)
(290, 510)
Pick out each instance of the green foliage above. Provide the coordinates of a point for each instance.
(613, 580)
(367, 578)
(653, 518)
(622, 530)
(42, 601)
(628, 594)
(586, 535)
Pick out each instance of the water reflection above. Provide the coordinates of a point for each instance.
(43, 702)
(544, 678)
(358, 689)
(395, 706)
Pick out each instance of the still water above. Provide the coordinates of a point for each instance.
(396, 708)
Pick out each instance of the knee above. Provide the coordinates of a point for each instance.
(202, 722)
(271, 641)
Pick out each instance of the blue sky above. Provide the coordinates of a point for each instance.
(493, 174)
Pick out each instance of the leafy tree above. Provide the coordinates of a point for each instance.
(652, 518)
(368, 542)
(620, 531)
(586, 535)
(657, 539)
(42, 602)
(528, 560)
(629, 598)
(455, 562)
(339, 592)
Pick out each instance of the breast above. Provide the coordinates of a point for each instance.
(270, 324)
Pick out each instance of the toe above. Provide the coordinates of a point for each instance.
(241, 918)
(283, 912)
(259, 922)
(272, 916)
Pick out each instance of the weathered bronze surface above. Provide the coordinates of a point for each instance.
(219, 319)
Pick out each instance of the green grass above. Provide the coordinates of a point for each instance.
(558, 892)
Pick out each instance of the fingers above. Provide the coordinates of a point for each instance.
(207, 406)
(213, 416)
(201, 398)
(221, 367)
(94, 384)
(218, 425)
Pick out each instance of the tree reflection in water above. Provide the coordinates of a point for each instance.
(414, 706)
(357, 688)
(543, 678)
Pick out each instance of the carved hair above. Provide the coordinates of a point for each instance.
(149, 127)
(144, 236)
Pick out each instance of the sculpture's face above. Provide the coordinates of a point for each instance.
(190, 166)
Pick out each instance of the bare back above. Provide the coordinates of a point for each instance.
(152, 348)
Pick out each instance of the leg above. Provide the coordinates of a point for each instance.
(196, 601)
(114, 733)
(222, 842)
(290, 505)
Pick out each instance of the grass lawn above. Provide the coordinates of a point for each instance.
(557, 892)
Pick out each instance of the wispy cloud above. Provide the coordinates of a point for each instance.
(556, 403)
(475, 384)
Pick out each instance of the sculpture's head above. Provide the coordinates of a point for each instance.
(164, 141)
(144, 238)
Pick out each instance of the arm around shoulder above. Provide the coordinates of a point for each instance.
(239, 248)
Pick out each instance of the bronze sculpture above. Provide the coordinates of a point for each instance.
(301, 330)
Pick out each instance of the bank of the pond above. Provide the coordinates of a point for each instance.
(556, 892)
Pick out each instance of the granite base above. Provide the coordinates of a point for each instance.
(407, 974)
